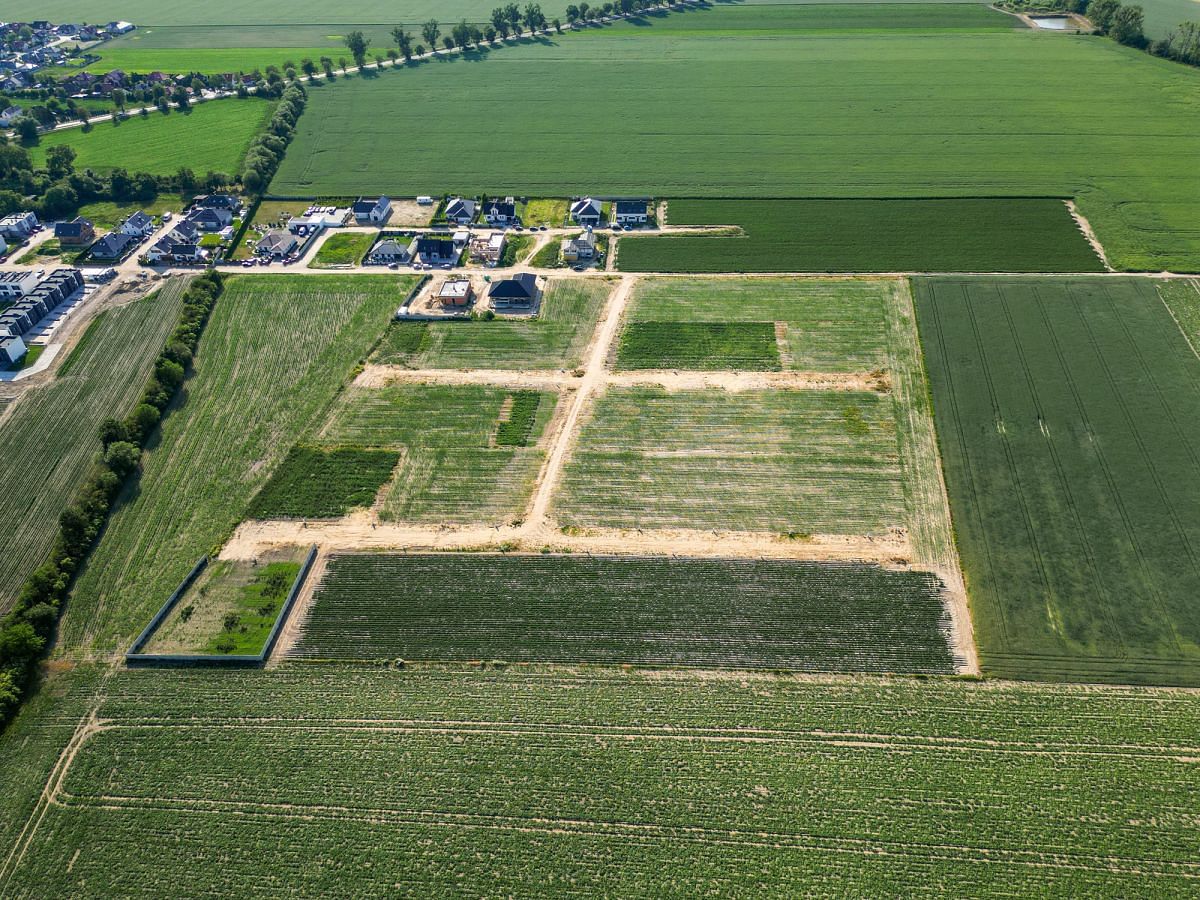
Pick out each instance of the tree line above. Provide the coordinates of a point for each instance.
(267, 150)
(1125, 24)
(29, 626)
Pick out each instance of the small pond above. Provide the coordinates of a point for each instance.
(1053, 23)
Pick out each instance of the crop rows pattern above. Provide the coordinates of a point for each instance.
(323, 484)
(699, 345)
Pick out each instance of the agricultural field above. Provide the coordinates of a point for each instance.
(554, 339)
(323, 484)
(532, 782)
(52, 433)
(467, 453)
(950, 114)
(699, 345)
(210, 137)
(816, 325)
(972, 235)
(711, 613)
(1067, 415)
(343, 249)
(784, 461)
(275, 353)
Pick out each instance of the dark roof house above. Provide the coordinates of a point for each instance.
(520, 290)
(113, 246)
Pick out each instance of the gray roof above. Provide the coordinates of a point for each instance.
(112, 245)
(631, 207)
(519, 287)
(585, 207)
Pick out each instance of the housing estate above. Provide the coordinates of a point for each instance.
(15, 285)
(24, 315)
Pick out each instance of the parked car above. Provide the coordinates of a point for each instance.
(393, 265)
(578, 268)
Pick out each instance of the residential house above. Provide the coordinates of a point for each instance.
(277, 243)
(217, 201)
(518, 292)
(185, 232)
(119, 27)
(10, 115)
(368, 211)
(15, 285)
(211, 218)
(500, 213)
(488, 249)
(113, 246)
(630, 212)
(139, 225)
(390, 250)
(19, 226)
(460, 211)
(581, 248)
(456, 293)
(436, 250)
(79, 232)
(12, 348)
(587, 211)
(175, 248)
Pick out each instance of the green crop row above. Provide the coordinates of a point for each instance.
(699, 345)
(323, 484)
(515, 431)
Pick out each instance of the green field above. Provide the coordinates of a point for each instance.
(554, 339)
(52, 434)
(827, 325)
(699, 345)
(323, 484)
(342, 249)
(867, 115)
(713, 613)
(867, 236)
(1163, 16)
(780, 461)
(211, 136)
(530, 783)
(275, 353)
(1067, 413)
(469, 453)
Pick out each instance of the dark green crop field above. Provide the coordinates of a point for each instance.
(737, 113)
(1069, 419)
(970, 235)
(699, 345)
(700, 612)
(315, 483)
(309, 779)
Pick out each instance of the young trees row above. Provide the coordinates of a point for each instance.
(268, 148)
(26, 630)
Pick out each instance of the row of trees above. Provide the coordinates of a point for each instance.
(26, 630)
(268, 148)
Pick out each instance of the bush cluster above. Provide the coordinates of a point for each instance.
(28, 627)
(268, 148)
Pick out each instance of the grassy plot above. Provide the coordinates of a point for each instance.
(535, 783)
(653, 611)
(323, 484)
(699, 345)
(911, 115)
(469, 453)
(108, 214)
(778, 461)
(969, 235)
(1067, 414)
(274, 354)
(343, 249)
(824, 325)
(53, 432)
(211, 136)
(554, 339)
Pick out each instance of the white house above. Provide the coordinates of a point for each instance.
(460, 211)
(499, 213)
(19, 226)
(15, 285)
(368, 211)
(10, 115)
(586, 211)
(138, 225)
(12, 348)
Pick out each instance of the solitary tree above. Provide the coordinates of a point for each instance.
(308, 67)
(430, 31)
(500, 19)
(357, 44)
(60, 161)
(342, 64)
(1126, 26)
(118, 98)
(327, 65)
(572, 14)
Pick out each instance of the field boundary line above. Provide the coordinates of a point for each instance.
(1163, 300)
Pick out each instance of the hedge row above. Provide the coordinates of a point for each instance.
(267, 151)
(26, 630)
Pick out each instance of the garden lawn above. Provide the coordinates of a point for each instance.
(212, 136)
(343, 249)
(1067, 412)
(851, 115)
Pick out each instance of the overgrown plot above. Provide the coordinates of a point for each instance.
(323, 484)
(699, 345)
(1067, 413)
(725, 613)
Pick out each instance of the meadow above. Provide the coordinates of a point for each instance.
(275, 353)
(1067, 413)
(711, 613)
(210, 137)
(869, 116)
(554, 339)
(827, 325)
(467, 453)
(342, 249)
(971, 235)
(53, 433)
(784, 461)
(529, 782)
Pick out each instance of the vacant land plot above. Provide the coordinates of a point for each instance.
(343, 249)
(323, 484)
(555, 339)
(468, 453)
(536, 783)
(822, 325)
(926, 115)
(779, 461)
(711, 613)
(53, 433)
(1067, 414)
(868, 236)
(211, 136)
(273, 356)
